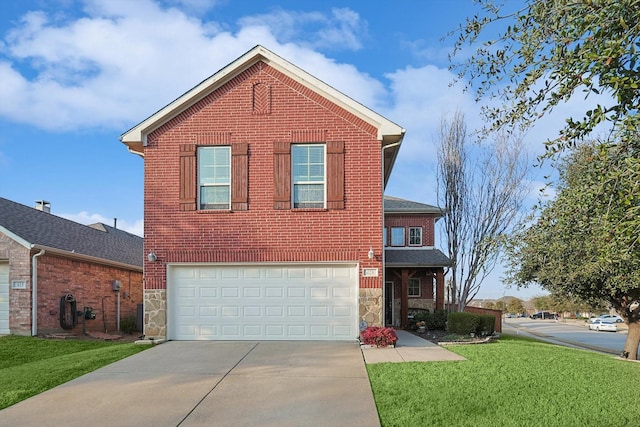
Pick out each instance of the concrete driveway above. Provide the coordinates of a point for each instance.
(204, 383)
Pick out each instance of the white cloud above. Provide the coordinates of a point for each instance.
(106, 68)
(342, 29)
(86, 218)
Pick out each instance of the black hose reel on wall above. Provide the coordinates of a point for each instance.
(68, 313)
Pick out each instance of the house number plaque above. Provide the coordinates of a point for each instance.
(369, 272)
(19, 284)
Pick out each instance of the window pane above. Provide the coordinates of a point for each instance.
(397, 236)
(214, 176)
(308, 196)
(214, 197)
(414, 287)
(214, 165)
(308, 163)
(415, 236)
(308, 175)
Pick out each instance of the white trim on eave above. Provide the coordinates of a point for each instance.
(15, 237)
(388, 131)
(88, 258)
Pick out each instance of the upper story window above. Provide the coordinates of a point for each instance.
(415, 236)
(414, 287)
(384, 237)
(397, 236)
(308, 177)
(214, 177)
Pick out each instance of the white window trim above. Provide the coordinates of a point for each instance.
(227, 184)
(415, 228)
(419, 287)
(323, 182)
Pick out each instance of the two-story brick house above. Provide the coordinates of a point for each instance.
(263, 204)
(414, 268)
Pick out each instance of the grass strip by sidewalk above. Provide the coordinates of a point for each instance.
(29, 366)
(513, 382)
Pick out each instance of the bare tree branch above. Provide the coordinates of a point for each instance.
(481, 188)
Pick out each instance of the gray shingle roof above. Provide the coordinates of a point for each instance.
(44, 229)
(397, 205)
(415, 258)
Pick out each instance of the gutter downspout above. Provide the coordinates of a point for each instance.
(34, 292)
(384, 277)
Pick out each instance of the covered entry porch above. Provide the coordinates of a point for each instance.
(414, 279)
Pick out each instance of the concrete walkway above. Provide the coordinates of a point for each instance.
(409, 348)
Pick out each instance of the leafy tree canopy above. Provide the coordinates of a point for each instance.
(549, 51)
(584, 244)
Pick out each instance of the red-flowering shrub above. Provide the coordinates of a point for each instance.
(380, 337)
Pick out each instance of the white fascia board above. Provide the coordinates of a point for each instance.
(15, 237)
(387, 130)
(87, 258)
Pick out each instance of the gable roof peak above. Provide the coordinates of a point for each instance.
(135, 138)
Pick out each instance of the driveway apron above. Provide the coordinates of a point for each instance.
(214, 383)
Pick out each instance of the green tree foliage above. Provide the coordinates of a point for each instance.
(563, 304)
(548, 51)
(514, 305)
(584, 244)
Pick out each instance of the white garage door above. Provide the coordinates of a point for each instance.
(4, 298)
(262, 302)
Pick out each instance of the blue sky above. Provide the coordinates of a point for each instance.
(74, 75)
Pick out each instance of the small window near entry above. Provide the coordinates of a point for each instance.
(414, 287)
(397, 236)
(214, 177)
(415, 236)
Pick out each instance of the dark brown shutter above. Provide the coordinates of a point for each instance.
(188, 184)
(240, 176)
(282, 175)
(335, 175)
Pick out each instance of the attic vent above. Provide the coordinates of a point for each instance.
(43, 205)
(261, 98)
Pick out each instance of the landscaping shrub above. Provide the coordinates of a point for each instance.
(380, 337)
(128, 325)
(463, 323)
(486, 324)
(436, 320)
(433, 321)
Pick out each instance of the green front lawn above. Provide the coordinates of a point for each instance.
(512, 382)
(29, 366)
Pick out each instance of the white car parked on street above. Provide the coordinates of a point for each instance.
(611, 318)
(603, 325)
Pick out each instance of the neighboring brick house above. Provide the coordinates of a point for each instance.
(263, 211)
(50, 266)
(414, 268)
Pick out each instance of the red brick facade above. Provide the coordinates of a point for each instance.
(279, 111)
(426, 222)
(90, 283)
